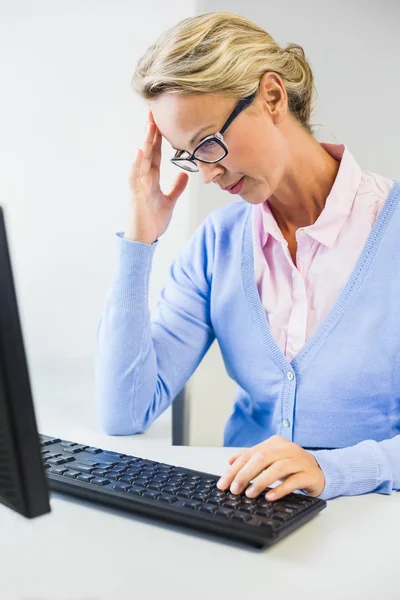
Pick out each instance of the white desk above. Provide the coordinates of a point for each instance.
(82, 551)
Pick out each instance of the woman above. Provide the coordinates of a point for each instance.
(297, 280)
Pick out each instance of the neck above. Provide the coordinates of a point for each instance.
(301, 195)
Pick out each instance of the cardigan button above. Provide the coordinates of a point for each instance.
(290, 375)
(286, 423)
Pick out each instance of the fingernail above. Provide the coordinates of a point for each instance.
(221, 483)
(250, 491)
(235, 489)
(270, 495)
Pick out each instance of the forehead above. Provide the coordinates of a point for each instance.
(179, 118)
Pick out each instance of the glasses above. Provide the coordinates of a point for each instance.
(213, 148)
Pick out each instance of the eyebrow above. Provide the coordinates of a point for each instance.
(192, 141)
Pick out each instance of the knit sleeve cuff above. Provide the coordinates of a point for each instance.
(349, 471)
(131, 273)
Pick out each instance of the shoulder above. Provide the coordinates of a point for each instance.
(216, 237)
(377, 186)
(228, 220)
(230, 213)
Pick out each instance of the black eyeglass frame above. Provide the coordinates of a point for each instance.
(242, 104)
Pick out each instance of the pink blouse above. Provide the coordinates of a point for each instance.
(297, 299)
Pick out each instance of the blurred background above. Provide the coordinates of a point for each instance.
(70, 126)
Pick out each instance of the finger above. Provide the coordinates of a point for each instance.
(278, 470)
(156, 154)
(233, 458)
(179, 186)
(297, 481)
(231, 471)
(253, 467)
(147, 149)
(261, 460)
(135, 173)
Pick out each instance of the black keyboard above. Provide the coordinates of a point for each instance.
(171, 493)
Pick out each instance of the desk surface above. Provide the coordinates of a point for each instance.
(82, 551)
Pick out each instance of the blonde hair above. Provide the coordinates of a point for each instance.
(226, 54)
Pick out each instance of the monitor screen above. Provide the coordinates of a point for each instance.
(23, 483)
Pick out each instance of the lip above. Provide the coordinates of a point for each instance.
(230, 187)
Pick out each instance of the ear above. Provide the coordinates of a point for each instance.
(274, 96)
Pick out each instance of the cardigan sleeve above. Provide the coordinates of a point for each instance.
(369, 466)
(142, 363)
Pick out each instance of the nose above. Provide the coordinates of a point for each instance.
(209, 171)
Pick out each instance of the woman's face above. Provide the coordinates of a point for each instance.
(256, 139)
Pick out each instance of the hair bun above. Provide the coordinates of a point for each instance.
(295, 49)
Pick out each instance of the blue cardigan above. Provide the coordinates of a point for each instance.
(340, 396)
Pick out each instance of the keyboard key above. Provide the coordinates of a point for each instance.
(162, 478)
(168, 499)
(99, 472)
(104, 464)
(210, 508)
(169, 489)
(58, 470)
(185, 494)
(74, 449)
(71, 473)
(93, 450)
(262, 512)
(200, 496)
(100, 481)
(214, 500)
(122, 487)
(174, 480)
(56, 461)
(83, 468)
(134, 489)
(188, 486)
(151, 494)
(124, 478)
(225, 512)
(230, 504)
(115, 476)
(68, 444)
(141, 482)
(155, 486)
(192, 504)
(218, 493)
(240, 518)
(49, 442)
(249, 501)
(281, 516)
(246, 509)
(85, 477)
(111, 456)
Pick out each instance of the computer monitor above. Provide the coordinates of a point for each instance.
(23, 483)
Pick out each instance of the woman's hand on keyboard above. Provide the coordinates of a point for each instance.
(273, 460)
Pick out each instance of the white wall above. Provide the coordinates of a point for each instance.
(70, 126)
(354, 49)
